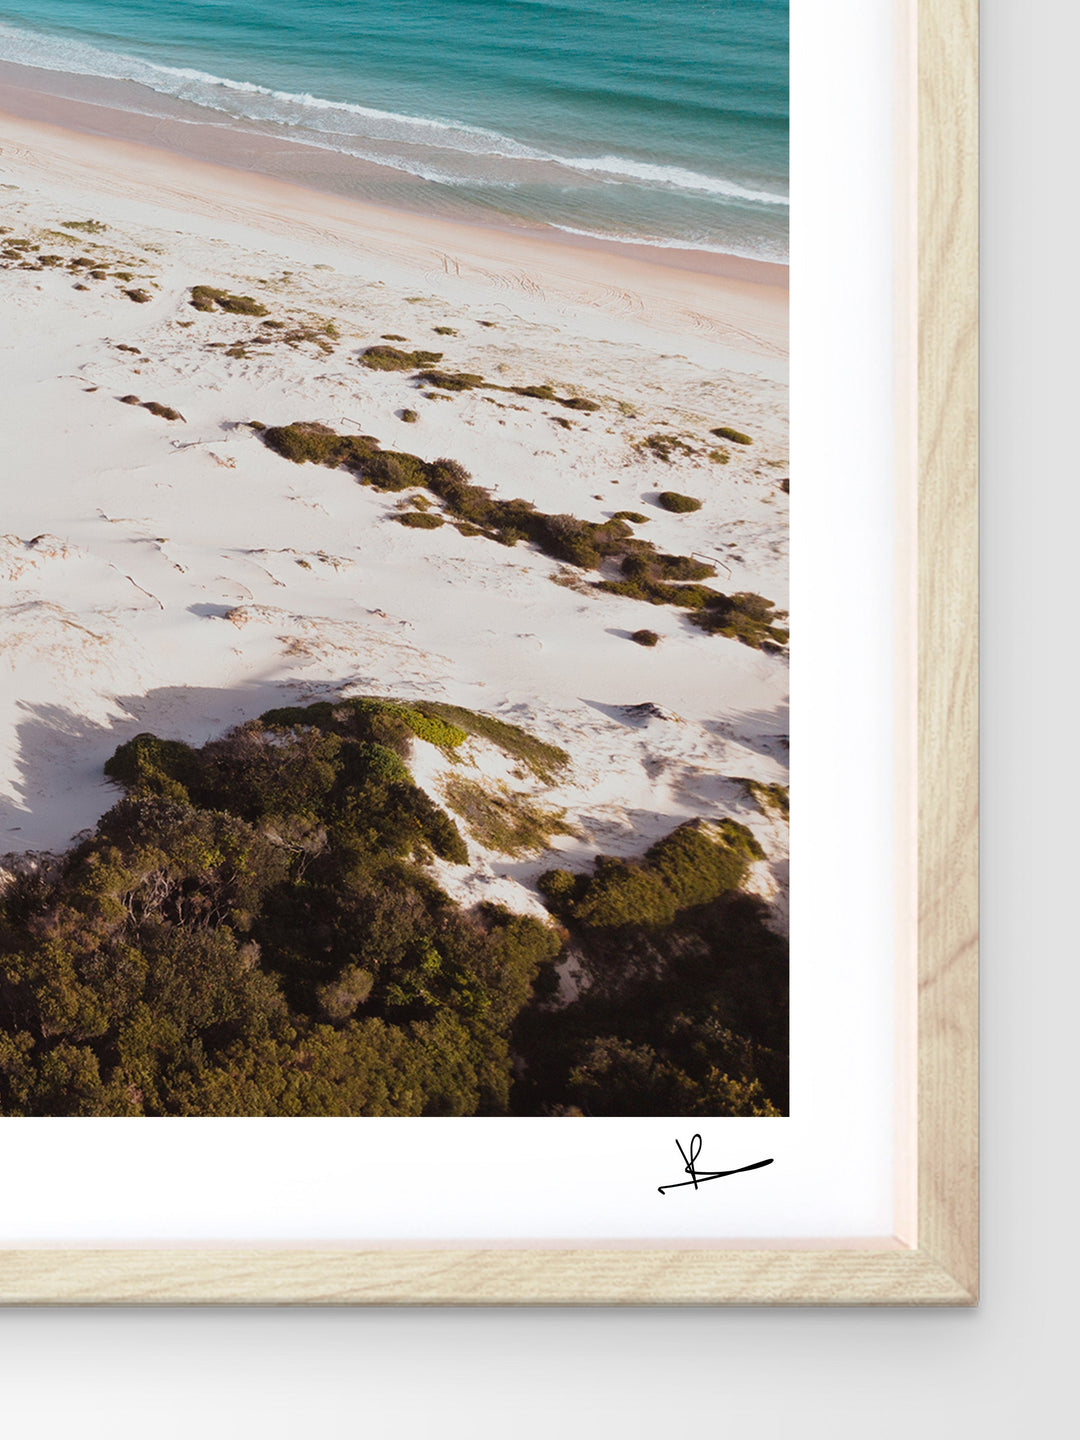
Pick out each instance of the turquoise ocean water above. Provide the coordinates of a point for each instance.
(656, 120)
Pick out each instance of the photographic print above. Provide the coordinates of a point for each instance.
(394, 585)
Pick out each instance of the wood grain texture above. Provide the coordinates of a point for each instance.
(948, 307)
(476, 1277)
(943, 1270)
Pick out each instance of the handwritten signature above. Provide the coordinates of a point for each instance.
(698, 1177)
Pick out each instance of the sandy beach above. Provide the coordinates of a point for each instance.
(177, 576)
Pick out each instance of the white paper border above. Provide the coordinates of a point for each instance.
(520, 1180)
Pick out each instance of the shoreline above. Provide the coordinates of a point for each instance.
(322, 171)
(728, 322)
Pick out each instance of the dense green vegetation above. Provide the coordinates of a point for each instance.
(685, 1005)
(647, 573)
(737, 437)
(251, 931)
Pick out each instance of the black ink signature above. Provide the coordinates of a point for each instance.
(698, 1177)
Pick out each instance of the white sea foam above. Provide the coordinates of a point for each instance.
(344, 125)
(672, 177)
(774, 255)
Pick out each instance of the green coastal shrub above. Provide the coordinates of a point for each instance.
(695, 864)
(647, 574)
(668, 567)
(634, 516)
(676, 503)
(140, 297)
(166, 412)
(388, 723)
(419, 520)
(746, 617)
(648, 577)
(770, 797)
(560, 888)
(500, 820)
(735, 436)
(208, 298)
(547, 392)
(251, 931)
(617, 1077)
(447, 380)
(546, 761)
(189, 959)
(386, 357)
(153, 766)
(392, 470)
(309, 440)
(648, 638)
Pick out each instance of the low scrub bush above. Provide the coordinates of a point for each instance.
(419, 520)
(546, 761)
(447, 380)
(770, 797)
(725, 432)
(676, 503)
(499, 820)
(208, 298)
(311, 441)
(166, 412)
(546, 392)
(695, 864)
(746, 617)
(647, 574)
(386, 357)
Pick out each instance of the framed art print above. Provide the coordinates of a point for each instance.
(489, 788)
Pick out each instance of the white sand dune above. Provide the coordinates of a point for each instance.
(177, 576)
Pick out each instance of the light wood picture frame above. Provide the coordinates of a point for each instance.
(932, 1260)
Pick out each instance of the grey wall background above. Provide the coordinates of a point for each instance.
(1003, 1368)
